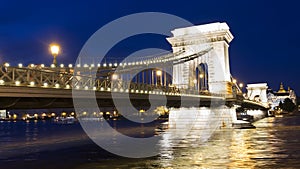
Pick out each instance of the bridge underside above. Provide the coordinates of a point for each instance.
(41, 98)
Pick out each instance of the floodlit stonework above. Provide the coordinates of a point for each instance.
(257, 92)
(203, 48)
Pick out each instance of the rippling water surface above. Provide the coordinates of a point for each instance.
(273, 144)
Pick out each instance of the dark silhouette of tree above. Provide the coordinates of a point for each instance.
(240, 109)
(287, 105)
(280, 104)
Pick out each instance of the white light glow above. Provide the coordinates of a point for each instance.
(18, 83)
(114, 77)
(6, 64)
(54, 49)
(32, 83)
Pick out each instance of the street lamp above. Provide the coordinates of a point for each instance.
(159, 73)
(54, 48)
(114, 77)
(201, 76)
(233, 80)
(241, 85)
(195, 83)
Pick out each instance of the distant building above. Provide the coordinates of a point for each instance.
(257, 92)
(274, 98)
(3, 114)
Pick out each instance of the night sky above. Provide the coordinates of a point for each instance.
(265, 47)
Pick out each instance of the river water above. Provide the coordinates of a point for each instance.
(44, 144)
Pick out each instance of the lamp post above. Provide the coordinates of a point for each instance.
(201, 82)
(54, 48)
(195, 83)
(241, 85)
(159, 74)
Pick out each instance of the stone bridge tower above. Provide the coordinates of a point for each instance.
(203, 58)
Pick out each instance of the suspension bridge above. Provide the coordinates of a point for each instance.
(197, 71)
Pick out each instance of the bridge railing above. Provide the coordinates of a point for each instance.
(64, 78)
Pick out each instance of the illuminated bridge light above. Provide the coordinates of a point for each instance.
(77, 87)
(45, 84)
(126, 90)
(52, 66)
(42, 65)
(101, 88)
(56, 85)
(115, 89)
(132, 91)
(94, 88)
(121, 64)
(233, 80)
(17, 83)
(6, 64)
(104, 65)
(32, 83)
(92, 65)
(98, 65)
(85, 65)
(110, 65)
(108, 89)
(136, 91)
(70, 65)
(121, 90)
(2, 82)
(68, 86)
(62, 65)
(115, 64)
(78, 65)
(20, 65)
(86, 88)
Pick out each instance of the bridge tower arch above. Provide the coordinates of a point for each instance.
(204, 44)
(201, 77)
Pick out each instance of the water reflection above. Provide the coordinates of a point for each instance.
(270, 145)
(273, 144)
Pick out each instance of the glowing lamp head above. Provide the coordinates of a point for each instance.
(201, 76)
(233, 80)
(241, 85)
(114, 77)
(54, 49)
(158, 73)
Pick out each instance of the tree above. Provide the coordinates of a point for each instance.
(287, 105)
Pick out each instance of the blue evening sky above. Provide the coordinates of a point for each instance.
(265, 47)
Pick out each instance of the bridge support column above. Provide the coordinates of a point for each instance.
(210, 44)
(204, 119)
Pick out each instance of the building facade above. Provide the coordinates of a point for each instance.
(275, 97)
